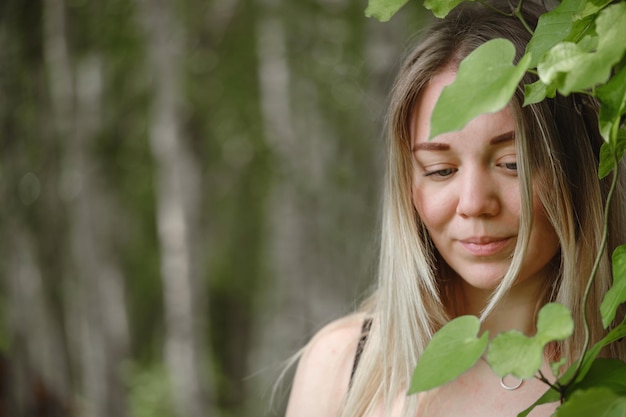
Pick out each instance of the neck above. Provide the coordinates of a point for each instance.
(516, 311)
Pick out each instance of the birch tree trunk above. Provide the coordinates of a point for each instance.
(285, 227)
(94, 289)
(34, 369)
(321, 243)
(300, 299)
(37, 354)
(104, 333)
(177, 190)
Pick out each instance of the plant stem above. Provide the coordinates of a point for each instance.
(592, 277)
(545, 380)
(486, 4)
(518, 13)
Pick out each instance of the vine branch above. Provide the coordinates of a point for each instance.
(518, 13)
(596, 265)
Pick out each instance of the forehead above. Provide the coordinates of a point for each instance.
(487, 126)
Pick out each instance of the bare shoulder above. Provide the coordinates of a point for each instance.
(323, 374)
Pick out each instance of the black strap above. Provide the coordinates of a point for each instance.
(365, 329)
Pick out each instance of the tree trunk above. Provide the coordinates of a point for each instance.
(177, 190)
(94, 288)
(37, 376)
(104, 335)
(300, 299)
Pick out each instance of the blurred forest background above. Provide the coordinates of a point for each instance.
(190, 188)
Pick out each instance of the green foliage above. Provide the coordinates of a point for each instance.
(536, 92)
(579, 66)
(612, 95)
(149, 391)
(577, 47)
(490, 67)
(552, 28)
(597, 402)
(609, 373)
(617, 294)
(590, 356)
(515, 353)
(610, 154)
(384, 10)
(457, 346)
(441, 8)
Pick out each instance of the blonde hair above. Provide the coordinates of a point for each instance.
(558, 147)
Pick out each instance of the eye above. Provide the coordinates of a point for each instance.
(441, 173)
(510, 166)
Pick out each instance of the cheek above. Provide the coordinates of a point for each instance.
(432, 207)
(544, 234)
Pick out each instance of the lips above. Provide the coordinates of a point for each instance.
(485, 246)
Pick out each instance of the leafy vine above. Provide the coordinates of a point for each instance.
(576, 47)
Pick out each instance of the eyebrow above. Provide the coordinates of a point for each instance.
(505, 137)
(438, 146)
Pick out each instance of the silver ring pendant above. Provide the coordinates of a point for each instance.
(511, 387)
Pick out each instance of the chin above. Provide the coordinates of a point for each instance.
(483, 285)
(486, 279)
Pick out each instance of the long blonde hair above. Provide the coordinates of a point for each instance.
(558, 147)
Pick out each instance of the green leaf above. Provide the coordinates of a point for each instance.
(488, 69)
(552, 28)
(596, 402)
(612, 97)
(573, 67)
(457, 346)
(383, 10)
(609, 373)
(515, 353)
(593, 6)
(617, 294)
(537, 91)
(559, 62)
(550, 396)
(441, 8)
(609, 154)
(554, 322)
(611, 29)
(591, 355)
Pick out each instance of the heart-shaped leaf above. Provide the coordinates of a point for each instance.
(488, 69)
(514, 353)
(554, 322)
(552, 28)
(457, 346)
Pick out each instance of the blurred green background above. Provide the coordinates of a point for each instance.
(190, 189)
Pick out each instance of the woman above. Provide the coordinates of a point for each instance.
(494, 220)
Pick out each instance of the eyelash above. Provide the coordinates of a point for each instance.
(510, 165)
(442, 173)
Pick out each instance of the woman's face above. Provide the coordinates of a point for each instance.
(466, 191)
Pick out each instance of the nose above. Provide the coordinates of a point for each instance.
(478, 194)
